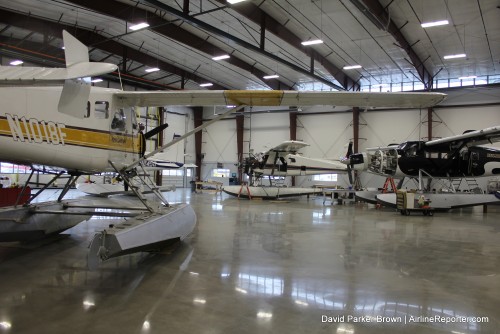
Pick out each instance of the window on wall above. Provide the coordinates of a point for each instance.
(221, 172)
(173, 172)
(9, 168)
(325, 177)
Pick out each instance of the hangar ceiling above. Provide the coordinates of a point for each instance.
(262, 37)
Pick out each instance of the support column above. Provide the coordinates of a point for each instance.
(293, 133)
(159, 143)
(198, 121)
(355, 129)
(429, 123)
(240, 123)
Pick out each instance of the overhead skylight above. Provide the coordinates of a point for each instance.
(470, 77)
(434, 23)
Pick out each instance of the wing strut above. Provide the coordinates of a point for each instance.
(187, 134)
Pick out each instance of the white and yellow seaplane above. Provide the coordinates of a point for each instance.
(53, 117)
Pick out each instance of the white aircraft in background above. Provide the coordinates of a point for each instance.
(282, 160)
(77, 129)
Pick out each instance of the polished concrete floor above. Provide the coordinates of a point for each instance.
(267, 267)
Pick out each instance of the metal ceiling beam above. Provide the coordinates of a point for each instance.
(257, 15)
(255, 48)
(87, 37)
(168, 29)
(378, 12)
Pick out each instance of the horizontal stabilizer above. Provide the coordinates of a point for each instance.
(13, 74)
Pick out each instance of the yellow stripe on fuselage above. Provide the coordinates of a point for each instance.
(59, 134)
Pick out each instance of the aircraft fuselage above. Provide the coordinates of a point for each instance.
(410, 157)
(32, 131)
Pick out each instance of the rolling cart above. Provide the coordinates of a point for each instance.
(405, 203)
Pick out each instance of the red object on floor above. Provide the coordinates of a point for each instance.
(8, 196)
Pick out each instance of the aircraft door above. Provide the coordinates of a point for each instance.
(121, 133)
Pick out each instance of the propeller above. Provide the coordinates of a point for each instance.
(349, 164)
(155, 131)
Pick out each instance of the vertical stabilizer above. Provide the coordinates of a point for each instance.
(75, 93)
(74, 50)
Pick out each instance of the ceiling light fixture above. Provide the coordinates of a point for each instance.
(434, 23)
(232, 2)
(314, 41)
(272, 76)
(96, 80)
(351, 67)
(469, 77)
(221, 57)
(460, 55)
(139, 26)
(208, 84)
(154, 69)
(16, 62)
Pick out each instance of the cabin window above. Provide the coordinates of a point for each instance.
(101, 110)
(118, 122)
(87, 112)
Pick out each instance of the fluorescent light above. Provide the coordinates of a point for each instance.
(97, 80)
(272, 76)
(314, 41)
(16, 62)
(234, 1)
(138, 26)
(351, 67)
(469, 77)
(434, 23)
(208, 84)
(154, 69)
(221, 57)
(460, 55)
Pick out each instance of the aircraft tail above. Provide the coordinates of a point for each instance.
(74, 50)
(76, 90)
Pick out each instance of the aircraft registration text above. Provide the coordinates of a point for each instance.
(33, 130)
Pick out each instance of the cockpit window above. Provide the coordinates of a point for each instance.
(118, 122)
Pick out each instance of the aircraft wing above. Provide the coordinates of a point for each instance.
(472, 138)
(279, 98)
(289, 146)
